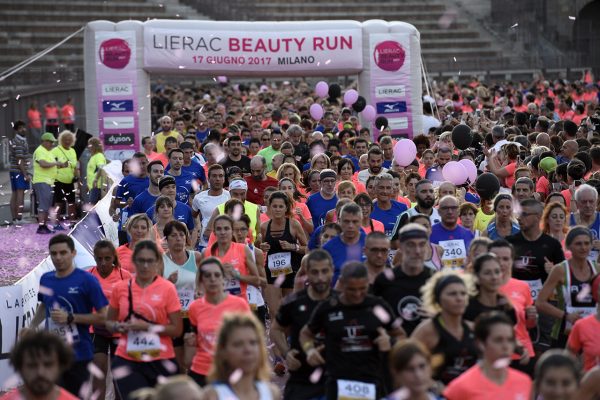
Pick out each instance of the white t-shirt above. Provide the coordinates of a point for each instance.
(364, 175)
(206, 204)
(430, 122)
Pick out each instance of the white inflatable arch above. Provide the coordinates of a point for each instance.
(119, 59)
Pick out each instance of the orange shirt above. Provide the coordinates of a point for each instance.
(107, 284)
(510, 179)
(35, 119)
(519, 294)
(124, 253)
(154, 302)
(67, 114)
(16, 395)
(236, 256)
(568, 195)
(51, 113)
(207, 318)
(377, 227)
(584, 338)
(474, 385)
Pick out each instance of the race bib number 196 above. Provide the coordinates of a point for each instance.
(280, 264)
(354, 390)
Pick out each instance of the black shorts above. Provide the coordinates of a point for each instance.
(303, 391)
(288, 283)
(64, 191)
(187, 327)
(141, 374)
(199, 379)
(74, 378)
(105, 344)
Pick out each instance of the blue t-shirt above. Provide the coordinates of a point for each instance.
(142, 202)
(341, 253)
(182, 213)
(455, 243)
(78, 293)
(387, 164)
(434, 174)
(201, 135)
(472, 198)
(318, 207)
(195, 169)
(131, 186)
(388, 217)
(354, 161)
(184, 186)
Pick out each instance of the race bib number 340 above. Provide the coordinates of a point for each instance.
(454, 253)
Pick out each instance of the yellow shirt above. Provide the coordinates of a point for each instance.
(97, 161)
(161, 137)
(482, 220)
(65, 175)
(43, 175)
(251, 210)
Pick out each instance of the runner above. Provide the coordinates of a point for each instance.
(357, 329)
(207, 201)
(205, 317)
(425, 194)
(586, 199)
(146, 311)
(571, 280)
(410, 366)
(40, 358)
(138, 228)
(401, 288)
(130, 186)
(183, 179)
(108, 271)
(237, 259)
(293, 314)
(583, 337)
(557, 375)
(241, 354)
(300, 210)
(385, 209)
(447, 334)
(491, 378)
(147, 198)
(68, 297)
(368, 224)
(320, 202)
(182, 212)
(180, 266)
(377, 247)
(454, 239)
(502, 225)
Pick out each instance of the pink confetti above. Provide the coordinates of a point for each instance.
(501, 363)
(121, 372)
(46, 291)
(95, 371)
(161, 380)
(170, 366)
(12, 381)
(156, 328)
(235, 376)
(279, 281)
(86, 390)
(316, 375)
(381, 314)
(389, 274)
(584, 293)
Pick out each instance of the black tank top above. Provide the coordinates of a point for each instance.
(458, 355)
(577, 287)
(275, 247)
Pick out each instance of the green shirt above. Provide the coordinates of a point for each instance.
(268, 153)
(43, 175)
(96, 162)
(66, 174)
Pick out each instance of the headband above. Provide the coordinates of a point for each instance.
(576, 231)
(413, 234)
(327, 173)
(442, 283)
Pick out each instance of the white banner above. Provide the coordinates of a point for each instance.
(231, 50)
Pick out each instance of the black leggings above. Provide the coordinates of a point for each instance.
(141, 374)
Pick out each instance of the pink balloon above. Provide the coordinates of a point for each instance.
(316, 111)
(350, 97)
(405, 152)
(322, 89)
(455, 172)
(471, 169)
(222, 79)
(369, 113)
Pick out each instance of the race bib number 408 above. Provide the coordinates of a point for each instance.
(355, 390)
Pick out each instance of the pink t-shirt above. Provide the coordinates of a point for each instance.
(519, 294)
(474, 385)
(543, 186)
(584, 338)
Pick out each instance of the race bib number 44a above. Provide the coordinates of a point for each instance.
(355, 390)
(454, 253)
(141, 343)
(280, 264)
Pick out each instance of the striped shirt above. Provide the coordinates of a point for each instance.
(18, 150)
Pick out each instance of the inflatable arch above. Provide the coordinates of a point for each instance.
(119, 59)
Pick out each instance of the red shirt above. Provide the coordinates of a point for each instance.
(474, 385)
(519, 294)
(67, 114)
(154, 302)
(256, 189)
(35, 119)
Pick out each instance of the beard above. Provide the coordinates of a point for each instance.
(425, 203)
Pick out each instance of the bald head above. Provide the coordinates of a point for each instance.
(570, 148)
(543, 139)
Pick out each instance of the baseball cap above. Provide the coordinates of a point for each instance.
(166, 181)
(48, 137)
(548, 164)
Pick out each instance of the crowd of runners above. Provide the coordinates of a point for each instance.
(257, 242)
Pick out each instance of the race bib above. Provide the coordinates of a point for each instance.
(68, 332)
(186, 296)
(593, 256)
(454, 253)
(585, 312)
(232, 285)
(354, 390)
(535, 287)
(141, 343)
(280, 264)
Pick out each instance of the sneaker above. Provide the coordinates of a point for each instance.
(43, 230)
(59, 227)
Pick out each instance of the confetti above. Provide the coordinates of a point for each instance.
(46, 291)
(316, 375)
(279, 281)
(514, 26)
(572, 18)
(389, 274)
(454, 59)
(170, 366)
(584, 293)
(235, 376)
(95, 371)
(121, 372)
(501, 363)
(381, 314)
